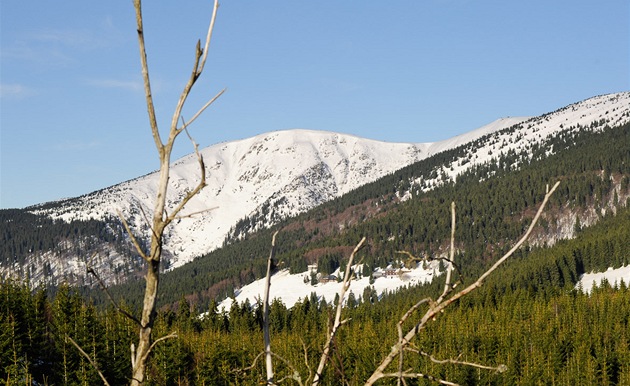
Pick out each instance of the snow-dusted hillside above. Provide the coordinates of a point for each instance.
(280, 174)
(592, 114)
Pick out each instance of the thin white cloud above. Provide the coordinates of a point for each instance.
(77, 145)
(64, 37)
(58, 47)
(15, 91)
(130, 85)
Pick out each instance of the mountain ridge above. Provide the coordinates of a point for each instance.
(248, 186)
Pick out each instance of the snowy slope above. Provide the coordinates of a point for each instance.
(284, 173)
(289, 171)
(293, 288)
(592, 114)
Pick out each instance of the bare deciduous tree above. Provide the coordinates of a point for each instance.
(161, 217)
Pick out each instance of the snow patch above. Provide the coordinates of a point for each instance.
(613, 276)
(293, 288)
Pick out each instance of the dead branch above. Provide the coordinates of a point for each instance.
(295, 375)
(201, 110)
(345, 285)
(92, 362)
(135, 242)
(91, 271)
(498, 369)
(169, 336)
(268, 361)
(449, 268)
(193, 214)
(202, 183)
(443, 301)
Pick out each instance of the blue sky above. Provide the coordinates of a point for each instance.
(73, 118)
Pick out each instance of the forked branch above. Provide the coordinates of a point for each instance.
(444, 301)
(345, 285)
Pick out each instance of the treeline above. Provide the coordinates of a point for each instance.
(23, 233)
(528, 316)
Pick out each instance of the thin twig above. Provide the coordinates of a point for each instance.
(401, 341)
(201, 110)
(189, 215)
(91, 271)
(169, 336)
(295, 375)
(449, 269)
(197, 189)
(92, 362)
(344, 287)
(199, 63)
(133, 238)
(499, 369)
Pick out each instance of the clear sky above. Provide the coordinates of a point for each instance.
(73, 118)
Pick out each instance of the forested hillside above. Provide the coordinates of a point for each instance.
(528, 316)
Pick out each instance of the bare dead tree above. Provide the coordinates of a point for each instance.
(161, 217)
(436, 307)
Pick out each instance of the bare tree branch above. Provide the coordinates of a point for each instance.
(400, 334)
(345, 285)
(201, 110)
(449, 268)
(439, 306)
(135, 242)
(192, 214)
(498, 369)
(268, 361)
(91, 271)
(295, 375)
(92, 362)
(147, 82)
(169, 336)
(202, 183)
(196, 72)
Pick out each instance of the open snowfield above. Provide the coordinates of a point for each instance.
(292, 288)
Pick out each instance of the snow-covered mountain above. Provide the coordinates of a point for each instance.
(279, 174)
